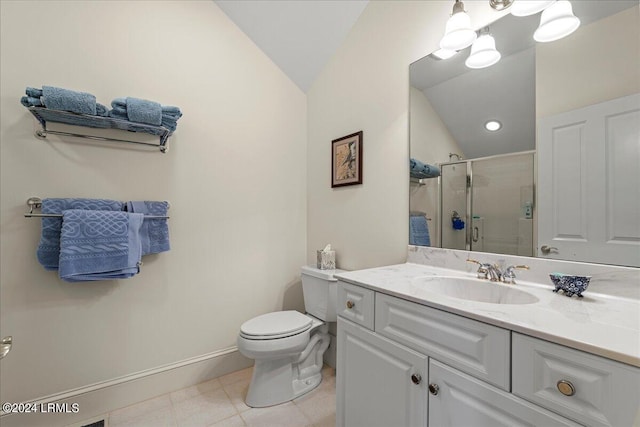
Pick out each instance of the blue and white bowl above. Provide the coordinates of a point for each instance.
(569, 284)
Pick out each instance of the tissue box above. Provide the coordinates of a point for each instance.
(326, 260)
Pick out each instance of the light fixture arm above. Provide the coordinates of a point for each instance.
(458, 7)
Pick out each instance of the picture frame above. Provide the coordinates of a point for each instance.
(346, 160)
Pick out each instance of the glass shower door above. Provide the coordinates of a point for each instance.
(502, 204)
(453, 215)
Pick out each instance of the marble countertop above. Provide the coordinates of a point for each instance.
(605, 325)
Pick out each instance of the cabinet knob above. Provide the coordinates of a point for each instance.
(434, 389)
(350, 304)
(416, 378)
(565, 387)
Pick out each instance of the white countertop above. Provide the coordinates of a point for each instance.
(605, 325)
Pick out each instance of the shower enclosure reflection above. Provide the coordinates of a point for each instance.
(498, 199)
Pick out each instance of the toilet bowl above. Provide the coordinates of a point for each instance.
(288, 346)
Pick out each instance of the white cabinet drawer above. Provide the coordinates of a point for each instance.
(355, 303)
(461, 400)
(601, 392)
(473, 347)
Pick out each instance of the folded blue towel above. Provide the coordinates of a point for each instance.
(102, 110)
(419, 231)
(169, 124)
(120, 110)
(417, 169)
(155, 231)
(169, 115)
(144, 111)
(28, 101)
(48, 252)
(118, 115)
(119, 102)
(168, 109)
(99, 245)
(68, 100)
(33, 92)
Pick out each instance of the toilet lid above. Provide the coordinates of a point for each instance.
(276, 325)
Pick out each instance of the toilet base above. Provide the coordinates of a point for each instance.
(277, 381)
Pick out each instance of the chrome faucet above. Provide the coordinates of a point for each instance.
(492, 272)
(509, 275)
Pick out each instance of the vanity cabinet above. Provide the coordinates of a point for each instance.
(400, 363)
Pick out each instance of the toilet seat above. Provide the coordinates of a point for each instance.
(276, 325)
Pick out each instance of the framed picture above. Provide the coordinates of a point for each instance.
(346, 160)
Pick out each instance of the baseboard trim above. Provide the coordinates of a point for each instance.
(105, 396)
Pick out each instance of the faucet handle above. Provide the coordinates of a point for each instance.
(483, 269)
(509, 276)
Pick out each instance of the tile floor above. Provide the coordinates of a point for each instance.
(220, 403)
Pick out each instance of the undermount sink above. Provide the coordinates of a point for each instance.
(475, 290)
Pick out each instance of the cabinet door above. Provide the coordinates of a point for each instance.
(378, 382)
(462, 400)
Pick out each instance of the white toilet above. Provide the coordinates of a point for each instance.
(287, 345)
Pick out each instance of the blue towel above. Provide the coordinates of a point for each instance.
(144, 111)
(419, 231)
(101, 110)
(170, 124)
(168, 109)
(33, 92)
(118, 115)
(28, 101)
(417, 169)
(99, 245)
(169, 115)
(155, 231)
(48, 252)
(68, 100)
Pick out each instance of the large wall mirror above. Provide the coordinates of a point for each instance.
(560, 178)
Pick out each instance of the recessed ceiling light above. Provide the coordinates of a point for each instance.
(493, 125)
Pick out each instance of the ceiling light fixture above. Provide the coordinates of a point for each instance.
(483, 52)
(500, 4)
(493, 125)
(530, 7)
(444, 53)
(557, 21)
(458, 33)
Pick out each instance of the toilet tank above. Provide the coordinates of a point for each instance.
(320, 290)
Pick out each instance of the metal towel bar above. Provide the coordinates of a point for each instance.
(36, 203)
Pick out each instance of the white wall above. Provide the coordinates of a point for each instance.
(365, 87)
(235, 176)
(601, 52)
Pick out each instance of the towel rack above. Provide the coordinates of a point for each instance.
(44, 115)
(36, 203)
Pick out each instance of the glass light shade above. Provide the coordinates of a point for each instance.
(556, 22)
(458, 33)
(529, 7)
(444, 53)
(483, 52)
